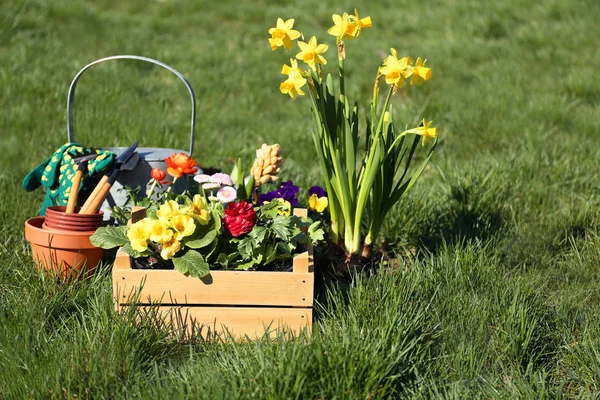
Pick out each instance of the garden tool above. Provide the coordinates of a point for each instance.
(56, 173)
(82, 162)
(127, 160)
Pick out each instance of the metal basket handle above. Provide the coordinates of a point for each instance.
(71, 97)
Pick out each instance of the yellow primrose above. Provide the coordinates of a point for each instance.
(311, 52)
(139, 234)
(420, 73)
(317, 203)
(170, 248)
(168, 210)
(198, 210)
(396, 70)
(426, 131)
(183, 225)
(283, 34)
(159, 231)
(294, 81)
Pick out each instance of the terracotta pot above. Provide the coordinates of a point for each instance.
(58, 219)
(59, 212)
(68, 253)
(65, 226)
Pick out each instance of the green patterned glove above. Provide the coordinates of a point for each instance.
(57, 172)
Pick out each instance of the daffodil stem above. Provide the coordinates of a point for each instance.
(343, 98)
(369, 175)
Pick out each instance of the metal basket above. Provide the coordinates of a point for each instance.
(150, 157)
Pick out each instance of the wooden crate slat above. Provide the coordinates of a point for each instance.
(237, 321)
(252, 288)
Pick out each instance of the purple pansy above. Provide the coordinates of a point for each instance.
(318, 190)
(287, 191)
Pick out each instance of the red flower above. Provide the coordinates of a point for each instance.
(179, 164)
(239, 218)
(159, 175)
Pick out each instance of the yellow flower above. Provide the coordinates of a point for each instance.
(396, 70)
(285, 208)
(420, 73)
(183, 225)
(198, 210)
(294, 81)
(139, 234)
(348, 26)
(168, 210)
(311, 52)
(170, 248)
(159, 231)
(426, 131)
(343, 28)
(362, 23)
(318, 204)
(283, 34)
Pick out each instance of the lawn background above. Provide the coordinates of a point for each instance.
(502, 298)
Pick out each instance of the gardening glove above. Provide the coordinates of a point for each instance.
(57, 172)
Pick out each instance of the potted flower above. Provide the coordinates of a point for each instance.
(228, 258)
(362, 184)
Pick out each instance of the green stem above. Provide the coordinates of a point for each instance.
(366, 183)
(152, 187)
(172, 184)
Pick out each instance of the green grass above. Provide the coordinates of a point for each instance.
(501, 298)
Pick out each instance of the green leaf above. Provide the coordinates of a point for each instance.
(281, 227)
(245, 247)
(191, 263)
(315, 232)
(258, 233)
(203, 241)
(269, 210)
(110, 237)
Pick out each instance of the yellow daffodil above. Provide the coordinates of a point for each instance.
(283, 34)
(168, 211)
(425, 130)
(198, 210)
(183, 225)
(170, 248)
(343, 28)
(294, 81)
(348, 26)
(311, 52)
(317, 203)
(139, 234)
(396, 70)
(159, 231)
(362, 23)
(420, 72)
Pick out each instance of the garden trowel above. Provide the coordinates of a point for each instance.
(82, 161)
(127, 160)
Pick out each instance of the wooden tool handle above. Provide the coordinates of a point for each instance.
(93, 195)
(74, 190)
(97, 201)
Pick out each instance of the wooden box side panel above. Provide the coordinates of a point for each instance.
(238, 322)
(252, 288)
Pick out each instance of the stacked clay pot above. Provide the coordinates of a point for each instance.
(60, 242)
(58, 219)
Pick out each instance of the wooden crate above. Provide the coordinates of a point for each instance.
(245, 304)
